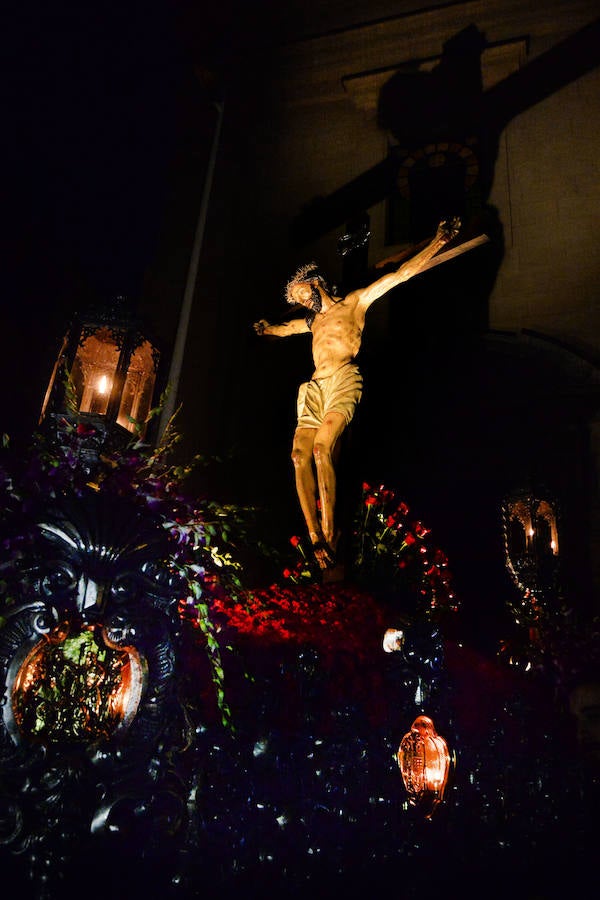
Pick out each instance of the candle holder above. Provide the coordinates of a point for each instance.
(104, 378)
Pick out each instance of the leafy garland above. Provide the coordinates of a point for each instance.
(204, 535)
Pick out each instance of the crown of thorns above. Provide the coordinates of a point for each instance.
(308, 272)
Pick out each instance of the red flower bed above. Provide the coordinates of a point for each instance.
(329, 617)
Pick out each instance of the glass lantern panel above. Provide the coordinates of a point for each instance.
(136, 398)
(545, 513)
(93, 371)
(517, 543)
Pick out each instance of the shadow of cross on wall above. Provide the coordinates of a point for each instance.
(447, 104)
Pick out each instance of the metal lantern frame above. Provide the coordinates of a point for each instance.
(424, 761)
(531, 521)
(105, 375)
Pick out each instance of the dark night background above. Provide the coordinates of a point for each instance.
(94, 120)
(107, 130)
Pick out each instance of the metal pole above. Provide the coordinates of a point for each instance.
(190, 287)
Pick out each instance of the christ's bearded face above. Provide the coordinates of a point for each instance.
(306, 286)
(307, 293)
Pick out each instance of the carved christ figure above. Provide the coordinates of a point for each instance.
(327, 402)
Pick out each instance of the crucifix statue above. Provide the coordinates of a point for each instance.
(327, 402)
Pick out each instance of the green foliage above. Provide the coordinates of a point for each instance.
(206, 538)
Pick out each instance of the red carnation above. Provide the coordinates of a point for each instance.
(420, 529)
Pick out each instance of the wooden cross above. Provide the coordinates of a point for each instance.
(455, 251)
(439, 257)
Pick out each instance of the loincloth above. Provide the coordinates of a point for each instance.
(340, 392)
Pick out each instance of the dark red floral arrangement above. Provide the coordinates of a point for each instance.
(396, 551)
(391, 552)
(325, 617)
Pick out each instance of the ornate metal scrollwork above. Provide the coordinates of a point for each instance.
(88, 655)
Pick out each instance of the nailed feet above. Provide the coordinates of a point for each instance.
(324, 552)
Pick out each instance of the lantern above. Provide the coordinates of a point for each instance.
(424, 763)
(531, 540)
(105, 373)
